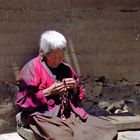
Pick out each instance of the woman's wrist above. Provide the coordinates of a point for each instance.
(46, 92)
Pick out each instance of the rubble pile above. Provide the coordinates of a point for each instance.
(106, 97)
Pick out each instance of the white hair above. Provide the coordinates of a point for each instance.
(52, 40)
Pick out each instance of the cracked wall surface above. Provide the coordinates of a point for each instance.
(104, 35)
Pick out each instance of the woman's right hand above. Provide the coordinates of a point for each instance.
(55, 88)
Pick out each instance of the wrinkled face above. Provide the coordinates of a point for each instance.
(55, 58)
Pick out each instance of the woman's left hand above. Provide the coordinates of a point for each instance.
(70, 83)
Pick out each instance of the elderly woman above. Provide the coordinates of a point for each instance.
(50, 94)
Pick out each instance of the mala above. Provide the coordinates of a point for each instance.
(64, 102)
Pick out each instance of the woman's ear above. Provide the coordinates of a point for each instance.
(41, 52)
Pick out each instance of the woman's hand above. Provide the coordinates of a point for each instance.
(56, 88)
(70, 83)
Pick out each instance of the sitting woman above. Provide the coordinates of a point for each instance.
(49, 97)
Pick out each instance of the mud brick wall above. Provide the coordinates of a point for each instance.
(103, 36)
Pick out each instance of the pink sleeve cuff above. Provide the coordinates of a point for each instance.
(41, 97)
(81, 93)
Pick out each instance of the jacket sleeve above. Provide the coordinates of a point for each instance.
(81, 89)
(30, 96)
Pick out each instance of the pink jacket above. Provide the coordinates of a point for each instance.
(36, 76)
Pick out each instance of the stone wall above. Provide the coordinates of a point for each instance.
(8, 109)
(107, 97)
(103, 97)
(103, 36)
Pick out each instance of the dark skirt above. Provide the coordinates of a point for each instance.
(73, 128)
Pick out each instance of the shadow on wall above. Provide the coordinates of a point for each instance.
(71, 56)
(8, 91)
(17, 66)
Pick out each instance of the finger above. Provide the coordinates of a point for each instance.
(68, 79)
(57, 85)
(58, 89)
(62, 90)
(71, 80)
(71, 83)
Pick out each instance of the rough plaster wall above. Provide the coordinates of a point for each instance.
(107, 38)
(103, 35)
(103, 39)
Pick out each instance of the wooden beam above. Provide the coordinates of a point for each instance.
(124, 122)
